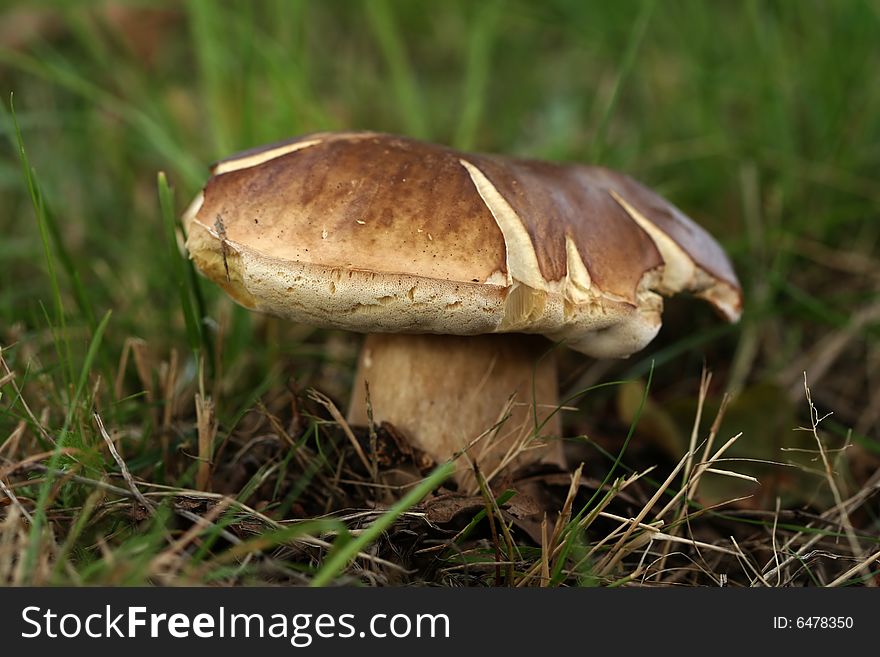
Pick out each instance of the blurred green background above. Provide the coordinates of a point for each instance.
(760, 119)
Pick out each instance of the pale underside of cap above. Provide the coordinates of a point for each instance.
(377, 233)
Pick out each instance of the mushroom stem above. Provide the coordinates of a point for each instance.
(451, 393)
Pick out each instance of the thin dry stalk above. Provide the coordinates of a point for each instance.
(512, 549)
(698, 472)
(13, 538)
(15, 501)
(858, 568)
(490, 437)
(168, 381)
(705, 382)
(827, 351)
(656, 534)
(490, 515)
(200, 524)
(616, 487)
(854, 545)
(35, 458)
(849, 506)
(206, 424)
(773, 538)
(731, 473)
(625, 526)
(374, 437)
(143, 364)
(312, 541)
(10, 445)
(564, 516)
(122, 467)
(710, 443)
(27, 409)
(123, 365)
(743, 559)
(545, 553)
(327, 403)
(617, 553)
(703, 393)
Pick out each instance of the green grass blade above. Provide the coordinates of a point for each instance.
(50, 233)
(476, 77)
(571, 535)
(211, 48)
(153, 132)
(34, 542)
(91, 355)
(195, 330)
(501, 500)
(339, 559)
(58, 325)
(637, 35)
(67, 262)
(403, 80)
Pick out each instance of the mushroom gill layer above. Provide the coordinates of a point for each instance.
(375, 233)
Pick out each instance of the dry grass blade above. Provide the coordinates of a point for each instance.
(710, 442)
(858, 568)
(10, 445)
(34, 459)
(698, 472)
(490, 516)
(206, 424)
(549, 549)
(616, 487)
(731, 473)
(327, 403)
(13, 538)
(127, 349)
(9, 377)
(703, 393)
(122, 467)
(200, 524)
(545, 554)
(743, 559)
(15, 501)
(773, 539)
(512, 550)
(815, 420)
(491, 437)
(617, 553)
(565, 515)
(869, 490)
(705, 381)
(168, 373)
(656, 534)
(822, 357)
(374, 437)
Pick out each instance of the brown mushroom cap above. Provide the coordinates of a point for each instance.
(377, 233)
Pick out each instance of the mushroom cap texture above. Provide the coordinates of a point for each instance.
(379, 233)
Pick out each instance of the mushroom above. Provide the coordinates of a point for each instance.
(453, 264)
